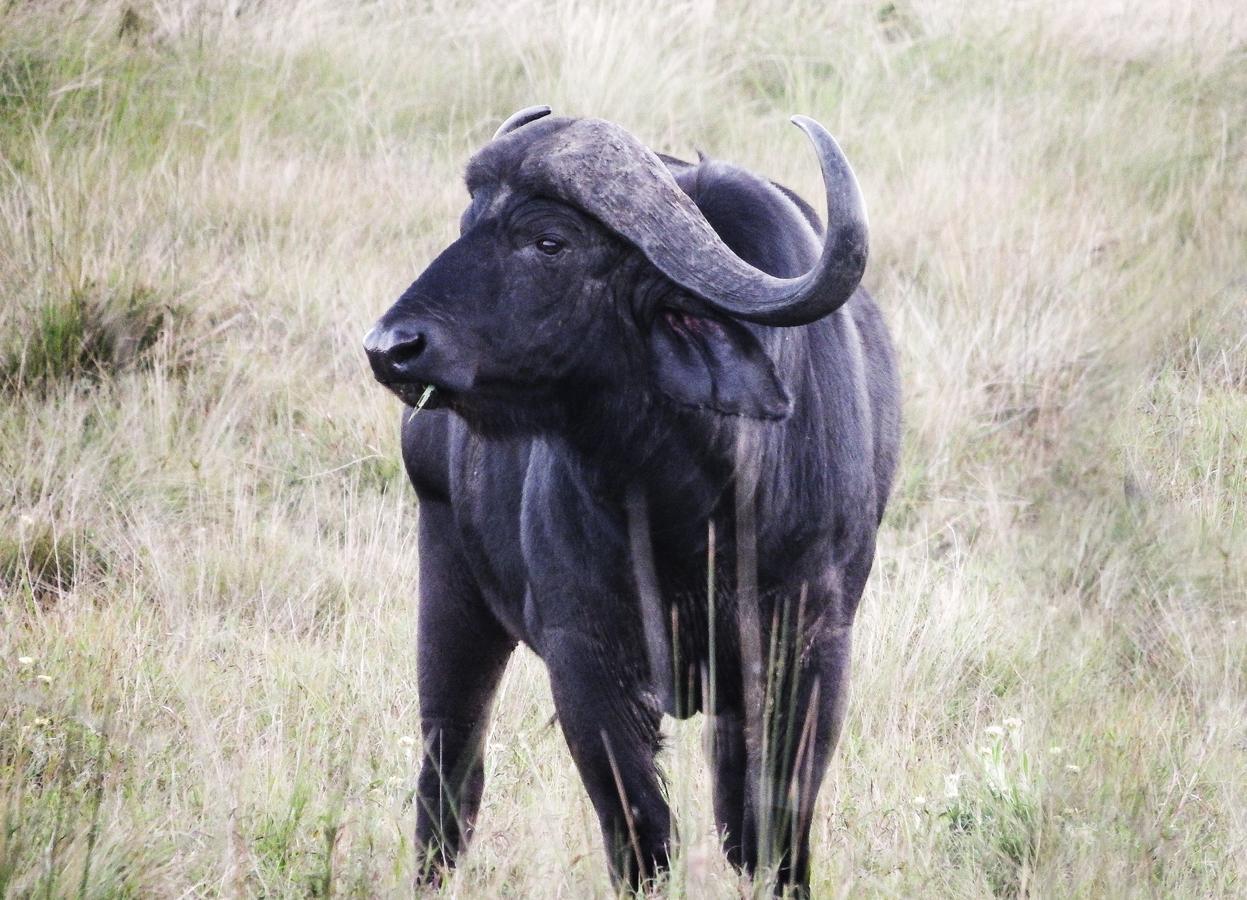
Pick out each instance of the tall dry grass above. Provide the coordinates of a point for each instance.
(206, 546)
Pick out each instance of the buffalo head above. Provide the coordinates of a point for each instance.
(583, 269)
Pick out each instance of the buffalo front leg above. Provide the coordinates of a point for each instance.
(612, 732)
(461, 657)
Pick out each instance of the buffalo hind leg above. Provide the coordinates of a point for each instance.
(733, 813)
(764, 807)
(461, 657)
(613, 737)
(806, 718)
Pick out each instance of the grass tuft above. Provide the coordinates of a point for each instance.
(40, 562)
(92, 332)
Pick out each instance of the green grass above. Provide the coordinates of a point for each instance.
(207, 557)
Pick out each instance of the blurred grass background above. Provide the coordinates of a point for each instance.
(206, 544)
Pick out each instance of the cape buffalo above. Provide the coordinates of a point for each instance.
(658, 425)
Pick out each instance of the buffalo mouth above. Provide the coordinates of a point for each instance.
(418, 394)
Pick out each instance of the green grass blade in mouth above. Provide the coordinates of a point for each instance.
(425, 397)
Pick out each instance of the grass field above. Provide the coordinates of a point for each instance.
(207, 548)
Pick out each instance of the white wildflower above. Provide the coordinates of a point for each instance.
(46, 679)
(994, 730)
(920, 800)
(952, 786)
(1056, 751)
(1013, 722)
(407, 740)
(25, 660)
(1072, 769)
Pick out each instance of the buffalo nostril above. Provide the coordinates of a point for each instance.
(406, 350)
(392, 350)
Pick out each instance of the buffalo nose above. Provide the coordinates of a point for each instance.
(392, 350)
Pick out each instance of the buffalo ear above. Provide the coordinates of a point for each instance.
(713, 363)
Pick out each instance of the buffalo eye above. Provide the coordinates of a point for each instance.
(548, 245)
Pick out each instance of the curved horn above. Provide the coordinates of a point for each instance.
(609, 173)
(521, 118)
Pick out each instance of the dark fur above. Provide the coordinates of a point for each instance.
(560, 392)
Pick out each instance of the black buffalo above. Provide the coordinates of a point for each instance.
(659, 425)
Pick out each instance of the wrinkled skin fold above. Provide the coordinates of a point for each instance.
(663, 428)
